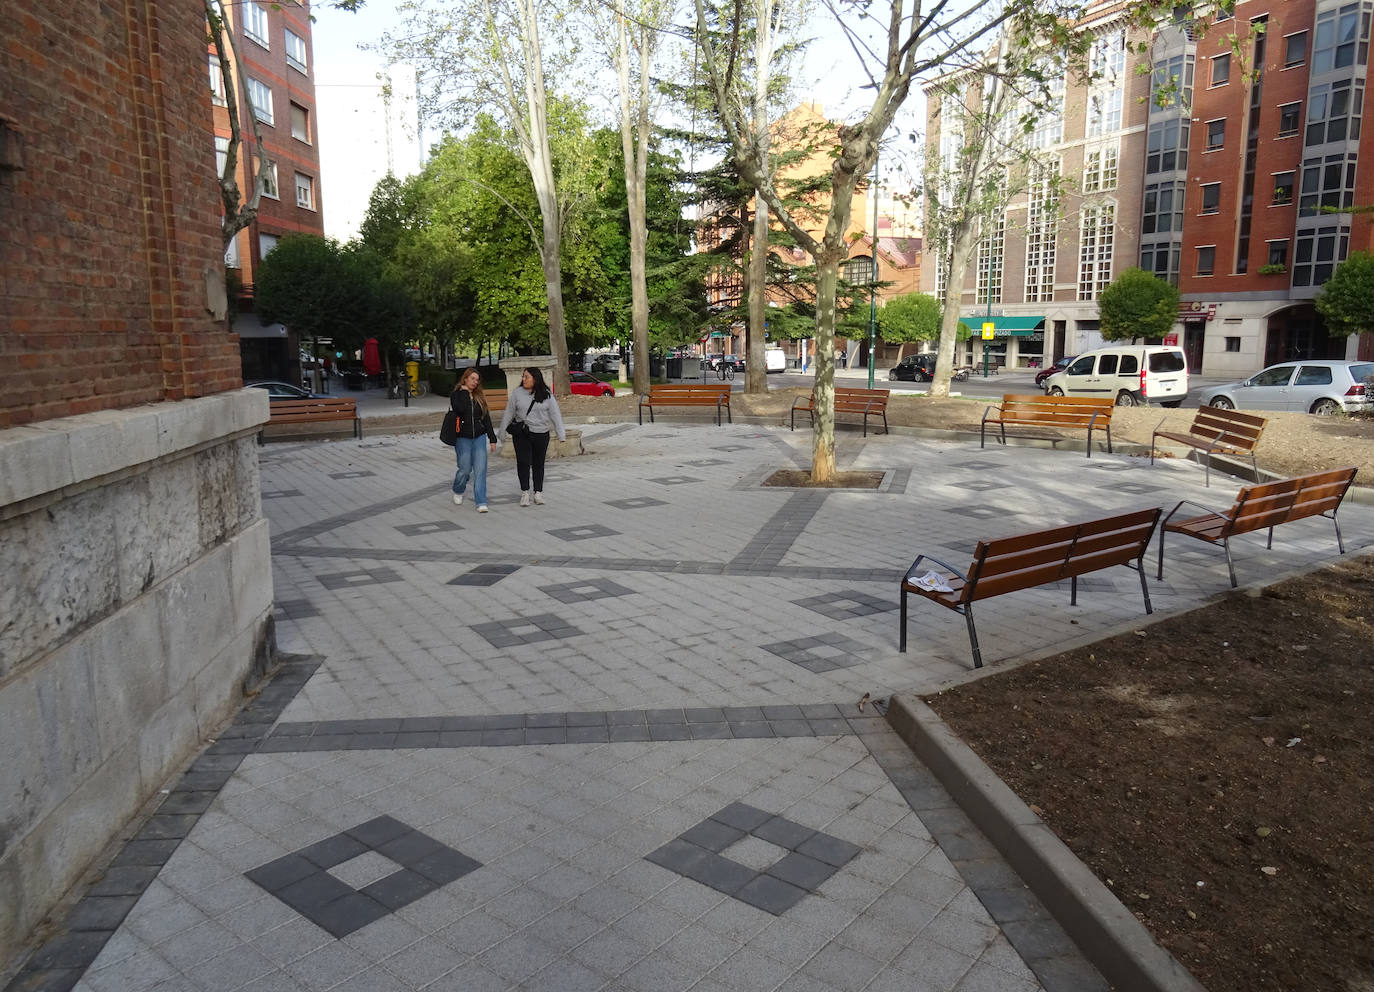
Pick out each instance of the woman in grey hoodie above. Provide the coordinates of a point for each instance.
(533, 404)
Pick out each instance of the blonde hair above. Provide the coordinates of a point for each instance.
(476, 390)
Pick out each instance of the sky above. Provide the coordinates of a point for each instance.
(355, 152)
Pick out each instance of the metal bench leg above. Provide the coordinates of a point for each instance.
(973, 636)
(1207, 471)
(1339, 543)
(901, 637)
(1144, 589)
(1160, 574)
(1269, 545)
(1230, 566)
(885, 430)
(1109, 441)
(1073, 590)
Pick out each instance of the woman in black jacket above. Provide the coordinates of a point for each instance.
(474, 435)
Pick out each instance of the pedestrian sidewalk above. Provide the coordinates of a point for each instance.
(616, 742)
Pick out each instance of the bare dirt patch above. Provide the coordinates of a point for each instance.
(1217, 772)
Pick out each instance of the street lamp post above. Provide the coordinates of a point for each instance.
(873, 281)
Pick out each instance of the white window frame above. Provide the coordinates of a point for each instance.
(1101, 165)
(217, 95)
(264, 237)
(296, 54)
(258, 89)
(221, 154)
(257, 25)
(305, 120)
(1096, 242)
(308, 201)
(267, 181)
(1042, 232)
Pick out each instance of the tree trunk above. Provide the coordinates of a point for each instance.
(823, 441)
(755, 369)
(961, 252)
(634, 144)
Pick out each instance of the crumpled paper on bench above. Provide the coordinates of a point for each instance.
(932, 582)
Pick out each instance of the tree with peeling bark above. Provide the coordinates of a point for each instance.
(492, 55)
(915, 41)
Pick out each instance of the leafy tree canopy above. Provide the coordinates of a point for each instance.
(1137, 304)
(1346, 302)
(316, 288)
(913, 317)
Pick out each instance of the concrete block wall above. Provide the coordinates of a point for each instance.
(138, 596)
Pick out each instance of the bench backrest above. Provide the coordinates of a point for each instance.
(1057, 411)
(864, 394)
(1229, 427)
(1029, 560)
(668, 392)
(1273, 503)
(324, 407)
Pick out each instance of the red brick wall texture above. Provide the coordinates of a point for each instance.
(110, 229)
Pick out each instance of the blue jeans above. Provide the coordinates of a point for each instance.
(472, 464)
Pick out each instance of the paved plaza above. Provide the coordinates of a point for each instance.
(615, 742)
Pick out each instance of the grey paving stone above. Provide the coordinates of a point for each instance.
(399, 888)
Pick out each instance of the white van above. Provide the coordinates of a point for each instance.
(774, 360)
(1131, 375)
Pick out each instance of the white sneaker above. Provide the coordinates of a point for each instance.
(539, 497)
(525, 498)
(457, 499)
(481, 508)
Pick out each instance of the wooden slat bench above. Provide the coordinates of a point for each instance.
(1025, 561)
(1059, 412)
(1215, 431)
(848, 399)
(686, 395)
(311, 411)
(1263, 506)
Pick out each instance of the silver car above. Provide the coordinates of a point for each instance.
(1323, 387)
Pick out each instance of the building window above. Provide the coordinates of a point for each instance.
(256, 24)
(1166, 146)
(1211, 198)
(1099, 169)
(300, 123)
(266, 242)
(1171, 83)
(989, 288)
(1107, 63)
(1327, 183)
(1162, 260)
(1163, 208)
(1333, 111)
(231, 254)
(305, 192)
(1233, 344)
(1042, 229)
(1338, 33)
(216, 82)
(221, 155)
(858, 271)
(1294, 49)
(1318, 252)
(1216, 134)
(295, 51)
(267, 181)
(1206, 259)
(1283, 188)
(1104, 113)
(1221, 70)
(1278, 252)
(1289, 119)
(1097, 227)
(260, 95)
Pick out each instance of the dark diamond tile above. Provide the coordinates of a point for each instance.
(312, 892)
(582, 533)
(476, 578)
(635, 503)
(399, 889)
(742, 816)
(678, 855)
(981, 485)
(347, 914)
(378, 831)
(286, 870)
(713, 835)
(983, 512)
(332, 851)
(674, 480)
(801, 871)
(410, 847)
(721, 874)
(444, 866)
(831, 850)
(772, 895)
(846, 604)
(364, 577)
(783, 832)
(585, 590)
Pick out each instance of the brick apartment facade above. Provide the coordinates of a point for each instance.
(1039, 271)
(1267, 151)
(274, 41)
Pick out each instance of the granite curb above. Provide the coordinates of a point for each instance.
(1107, 933)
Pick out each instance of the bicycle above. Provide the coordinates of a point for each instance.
(725, 370)
(403, 388)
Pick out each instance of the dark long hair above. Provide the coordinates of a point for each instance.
(541, 389)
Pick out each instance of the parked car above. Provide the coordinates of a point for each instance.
(605, 364)
(736, 360)
(585, 385)
(1315, 386)
(284, 390)
(1059, 366)
(1130, 375)
(774, 360)
(913, 368)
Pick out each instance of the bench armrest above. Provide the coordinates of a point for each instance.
(989, 410)
(1187, 502)
(947, 567)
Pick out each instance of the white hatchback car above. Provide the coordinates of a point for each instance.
(1323, 387)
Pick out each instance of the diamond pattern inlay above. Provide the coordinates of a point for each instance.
(846, 604)
(776, 862)
(356, 877)
(526, 630)
(585, 590)
(823, 653)
(428, 527)
(636, 503)
(582, 533)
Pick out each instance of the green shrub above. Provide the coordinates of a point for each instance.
(441, 381)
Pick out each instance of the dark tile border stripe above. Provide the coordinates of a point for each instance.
(60, 962)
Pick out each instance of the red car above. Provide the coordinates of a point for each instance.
(585, 385)
(1058, 366)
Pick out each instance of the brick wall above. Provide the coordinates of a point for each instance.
(109, 232)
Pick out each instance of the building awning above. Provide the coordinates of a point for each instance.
(247, 325)
(1004, 327)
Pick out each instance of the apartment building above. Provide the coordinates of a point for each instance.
(1071, 220)
(1256, 198)
(273, 40)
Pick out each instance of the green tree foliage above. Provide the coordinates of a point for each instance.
(1346, 302)
(913, 317)
(316, 288)
(1137, 304)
